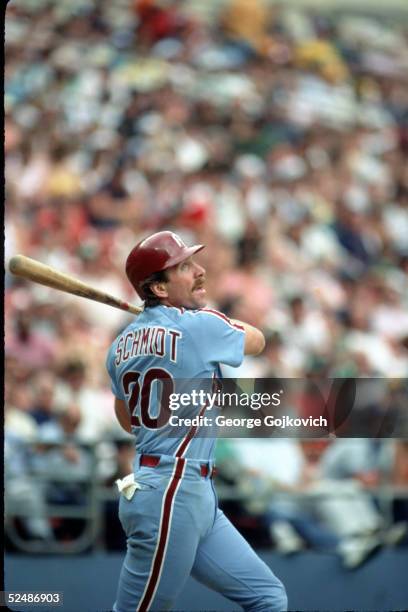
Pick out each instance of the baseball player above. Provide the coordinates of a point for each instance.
(168, 505)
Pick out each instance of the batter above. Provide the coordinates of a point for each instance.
(168, 505)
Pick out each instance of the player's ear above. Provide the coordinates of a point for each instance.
(159, 289)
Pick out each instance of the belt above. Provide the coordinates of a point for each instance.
(154, 460)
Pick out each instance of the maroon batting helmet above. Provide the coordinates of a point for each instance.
(155, 253)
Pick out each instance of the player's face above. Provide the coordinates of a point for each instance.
(185, 286)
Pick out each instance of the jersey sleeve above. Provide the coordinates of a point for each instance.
(216, 338)
(112, 371)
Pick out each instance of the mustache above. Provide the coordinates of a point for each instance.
(199, 284)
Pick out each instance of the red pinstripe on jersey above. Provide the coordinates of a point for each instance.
(186, 442)
(223, 317)
(163, 536)
(193, 430)
(211, 311)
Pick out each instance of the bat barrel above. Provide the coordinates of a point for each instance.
(23, 266)
(16, 264)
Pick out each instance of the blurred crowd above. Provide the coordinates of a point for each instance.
(345, 496)
(278, 137)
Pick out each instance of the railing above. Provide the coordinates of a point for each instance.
(89, 510)
(96, 495)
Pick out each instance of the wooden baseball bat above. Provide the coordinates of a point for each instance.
(23, 266)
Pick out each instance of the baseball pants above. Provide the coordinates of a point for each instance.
(174, 528)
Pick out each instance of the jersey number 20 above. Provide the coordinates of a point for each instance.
(142, 390)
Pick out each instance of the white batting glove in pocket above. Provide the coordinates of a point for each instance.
(128, 486)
